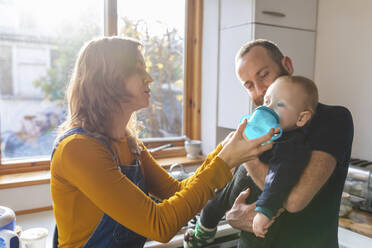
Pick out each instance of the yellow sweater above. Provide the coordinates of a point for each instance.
(85, 183)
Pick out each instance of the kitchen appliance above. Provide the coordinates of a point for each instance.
(8, 238)
(359, 184)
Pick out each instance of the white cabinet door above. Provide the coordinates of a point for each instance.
(236, 12)
(288, 13)
(299, 45)
(233, 99)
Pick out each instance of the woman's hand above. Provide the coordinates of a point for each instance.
(237, 149)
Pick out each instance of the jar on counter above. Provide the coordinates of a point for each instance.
(346, 205)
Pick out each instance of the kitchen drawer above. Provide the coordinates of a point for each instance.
(288, 13)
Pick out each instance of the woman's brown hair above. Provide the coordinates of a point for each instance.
(96, 87)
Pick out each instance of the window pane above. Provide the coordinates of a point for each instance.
(39, 41)
(160, 26)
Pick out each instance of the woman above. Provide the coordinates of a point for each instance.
(102, 174)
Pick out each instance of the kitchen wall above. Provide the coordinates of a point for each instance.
(343, 64)
(27, 197)
(343, 67)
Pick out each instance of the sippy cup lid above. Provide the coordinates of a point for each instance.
(269, 110)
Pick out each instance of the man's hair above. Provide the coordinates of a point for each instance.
(272, 49)
(310, 90)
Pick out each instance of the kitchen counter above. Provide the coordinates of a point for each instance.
(347, 238)
(358, 221)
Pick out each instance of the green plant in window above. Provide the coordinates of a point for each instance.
(164, 61)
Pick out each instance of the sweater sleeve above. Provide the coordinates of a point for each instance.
(89, 166)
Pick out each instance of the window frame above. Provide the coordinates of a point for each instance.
(192, 91)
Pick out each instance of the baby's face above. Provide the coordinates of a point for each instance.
(287, 100)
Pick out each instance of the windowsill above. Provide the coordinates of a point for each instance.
(43, 176)
(33, 164)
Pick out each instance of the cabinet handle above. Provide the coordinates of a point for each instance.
(273, 13)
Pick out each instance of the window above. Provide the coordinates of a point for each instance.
(39, 44)
(162, 34)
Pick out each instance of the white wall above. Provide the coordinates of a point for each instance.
(343, 64)
(28, 197)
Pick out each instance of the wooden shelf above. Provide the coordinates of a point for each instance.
(24, 179)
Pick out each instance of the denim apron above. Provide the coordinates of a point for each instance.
(109, 233)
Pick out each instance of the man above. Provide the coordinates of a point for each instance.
(311, 219)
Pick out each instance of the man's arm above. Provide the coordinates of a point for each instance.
(316, 173)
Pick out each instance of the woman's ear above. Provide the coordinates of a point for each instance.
(287, 64)
(303, 118)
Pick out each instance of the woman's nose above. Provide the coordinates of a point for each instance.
(148, 79)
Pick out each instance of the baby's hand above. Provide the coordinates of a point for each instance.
(260, 225)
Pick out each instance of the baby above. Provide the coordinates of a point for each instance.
(294, 99)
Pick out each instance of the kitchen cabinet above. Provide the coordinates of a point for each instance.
(288, 23)
(299, 14)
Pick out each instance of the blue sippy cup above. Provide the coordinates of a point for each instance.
(261, 122)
